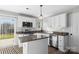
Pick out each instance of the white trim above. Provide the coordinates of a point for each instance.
(8, 16)
(12, 40)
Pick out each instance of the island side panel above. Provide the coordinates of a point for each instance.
(25, 48)
(38, 46)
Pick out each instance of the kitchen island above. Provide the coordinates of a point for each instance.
(34, 44)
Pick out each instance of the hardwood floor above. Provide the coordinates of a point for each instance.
(52, 50)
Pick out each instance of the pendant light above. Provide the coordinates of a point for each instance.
(41, 16)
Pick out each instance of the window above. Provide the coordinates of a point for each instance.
(7, 25)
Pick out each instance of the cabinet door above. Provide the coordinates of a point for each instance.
(54, 41)
(61, 43)
(38, 47)
(60, 21)
(57, 22)
(19, 21)
(47, 24)
(63, 20)
(25, 47)
(53, 23)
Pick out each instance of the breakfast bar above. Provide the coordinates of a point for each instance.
(34, 44)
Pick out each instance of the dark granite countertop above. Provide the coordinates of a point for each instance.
(31, 38)
(28, 32)
(61, 33)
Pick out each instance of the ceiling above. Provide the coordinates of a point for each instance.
(35, 9)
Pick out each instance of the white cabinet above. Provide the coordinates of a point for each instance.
(18, 40)
(60, 21)
(63, 43)
(55, 23)
(48, 24)
(46, 35)
(54, 41)
(19, 21)
(63, 20)
(25, 47)
(36, 47)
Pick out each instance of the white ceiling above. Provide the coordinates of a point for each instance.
(35, 9)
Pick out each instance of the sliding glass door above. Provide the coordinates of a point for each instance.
(7, 27)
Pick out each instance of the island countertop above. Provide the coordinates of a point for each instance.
(32, 38)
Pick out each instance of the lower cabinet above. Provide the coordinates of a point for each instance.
(36, 47)
(54, 41)
(63, 43)
(18, 39)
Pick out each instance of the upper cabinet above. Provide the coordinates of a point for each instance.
(55, 23)
(48, 24)
(63, 20)
(60, 21)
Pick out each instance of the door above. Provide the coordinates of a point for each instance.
(74, 42)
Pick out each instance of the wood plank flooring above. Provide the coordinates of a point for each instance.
(52, 50)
